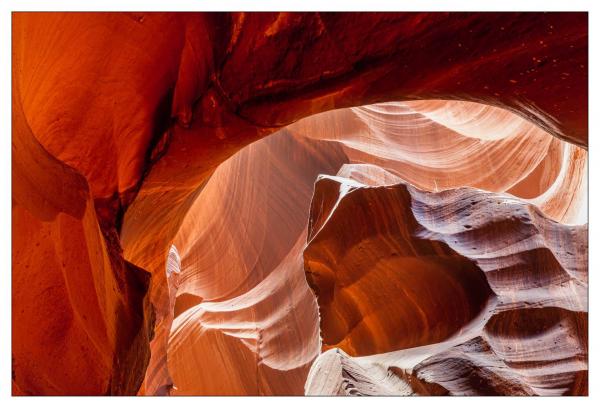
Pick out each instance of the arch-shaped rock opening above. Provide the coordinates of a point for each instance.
(244, 236)
(118, 133)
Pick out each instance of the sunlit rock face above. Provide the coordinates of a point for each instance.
(393, 267)
(509, 316)
(142, 267)
(437, 145)
(242, 299)
(158, 380)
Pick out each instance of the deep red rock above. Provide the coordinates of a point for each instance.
(119, 120)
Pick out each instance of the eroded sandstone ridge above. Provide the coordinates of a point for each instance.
(243, 300)
(136, 260)
(485, 294)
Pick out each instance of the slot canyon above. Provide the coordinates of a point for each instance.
(299, 203)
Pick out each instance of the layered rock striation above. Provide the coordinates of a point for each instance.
(121, 121)
(481, 292)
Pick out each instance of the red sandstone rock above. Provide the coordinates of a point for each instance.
(437, 145)
(119, 119)
(221, 240)
(370, 257)
(244, 300)
(81, 322)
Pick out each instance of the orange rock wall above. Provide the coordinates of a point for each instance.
(394, 268)
(119, 119)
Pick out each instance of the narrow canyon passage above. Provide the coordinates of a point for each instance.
(299, 203)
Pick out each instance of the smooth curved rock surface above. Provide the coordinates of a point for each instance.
(380, 286)
(531, 335)
(437, 145)
(81, 321)
(248, 323)
(120, 119)
(225, 268)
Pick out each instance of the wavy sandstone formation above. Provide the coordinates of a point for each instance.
(244, 299)
(237, 231)
(485, 293)
(142, 267)
(437, 145)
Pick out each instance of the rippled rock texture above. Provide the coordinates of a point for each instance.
(243, 295)
(289, 203)
(485, 293)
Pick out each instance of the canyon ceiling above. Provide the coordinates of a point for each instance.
(299, 203)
